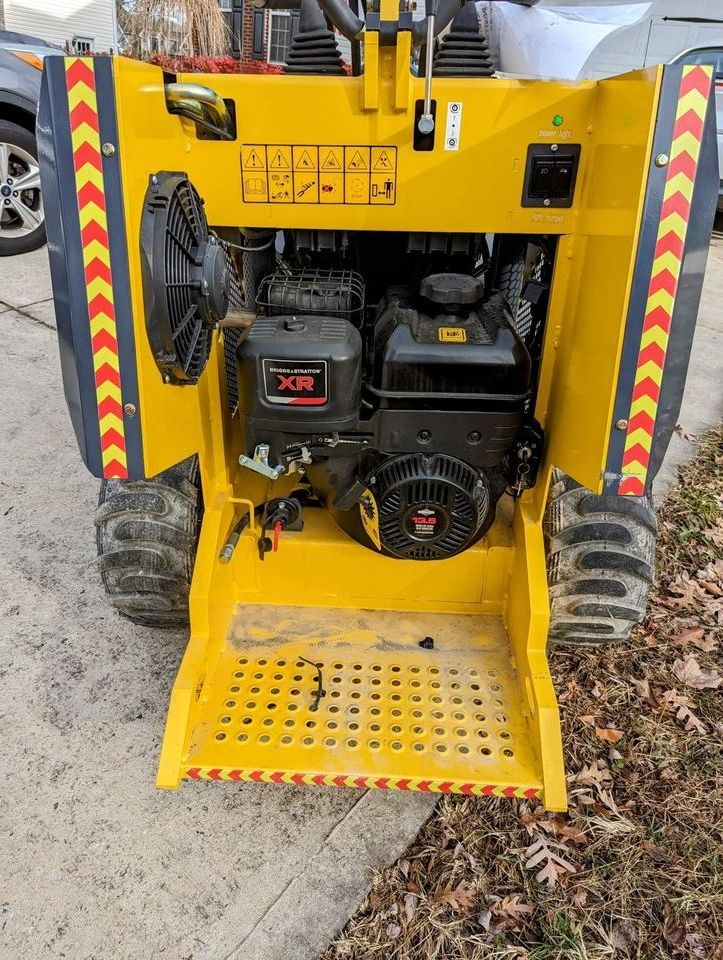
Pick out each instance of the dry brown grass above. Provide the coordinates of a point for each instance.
(644, 834)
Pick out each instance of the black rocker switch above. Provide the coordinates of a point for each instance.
(550, 175)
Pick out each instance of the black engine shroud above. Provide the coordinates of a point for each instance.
(403, 432)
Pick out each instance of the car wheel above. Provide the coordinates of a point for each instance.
(22, 221)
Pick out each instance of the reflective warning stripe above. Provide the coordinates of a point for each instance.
(90, 190)
(362, 782)
(667, 266)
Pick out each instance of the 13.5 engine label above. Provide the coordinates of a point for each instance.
(303, 383)
(285, 173)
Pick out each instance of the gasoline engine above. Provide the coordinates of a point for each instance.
(381, 369)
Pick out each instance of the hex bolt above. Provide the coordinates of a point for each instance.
(15, 193)
(621, 424)
(662, 160)
(107, 149)
(548, 202)
(424, 436)
(554, 148)
(129, 409)
(474, 437)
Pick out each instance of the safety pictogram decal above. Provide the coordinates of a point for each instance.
(90, 189)
(303, 173)
(363, 782)
(665, 277)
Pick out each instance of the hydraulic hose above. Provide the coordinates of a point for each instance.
(343, 18)
(446, 10)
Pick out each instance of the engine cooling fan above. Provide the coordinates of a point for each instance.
(429, 507)
(186, 277)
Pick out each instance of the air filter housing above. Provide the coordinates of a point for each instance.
(185, 277)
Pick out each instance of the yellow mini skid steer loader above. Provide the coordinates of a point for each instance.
(376, 369)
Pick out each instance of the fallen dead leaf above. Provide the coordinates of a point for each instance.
(690, 635)
(686, 592)
(554, 868)
(608, 734)
(643, 690)
(508, 915)
(712, 588)
(680, 705)
(568, 833)
(690, 673)
(654, 851)
(623, 935)
(579, 896)
(410, 905)
(674, 933)
(461, 899)
(393, 930)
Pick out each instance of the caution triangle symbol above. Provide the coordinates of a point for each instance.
(357, 162)
(305, 161)
(279, 161)
(331, 162)
(254, 160)
(383, 161)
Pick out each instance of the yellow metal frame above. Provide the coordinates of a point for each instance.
(475, 189)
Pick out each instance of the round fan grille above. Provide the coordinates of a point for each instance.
(430, 507)
(186, 233)
(186, 278)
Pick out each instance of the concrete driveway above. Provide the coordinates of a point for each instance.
(97, 863)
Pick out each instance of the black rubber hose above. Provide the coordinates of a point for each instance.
(345, 21)
(446, 11)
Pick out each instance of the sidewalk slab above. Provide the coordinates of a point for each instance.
(94, 853)
(702, 406)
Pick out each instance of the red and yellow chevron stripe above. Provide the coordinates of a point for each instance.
(89, 183)
(362, 782)
(695, 90)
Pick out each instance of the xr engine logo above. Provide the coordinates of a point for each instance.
(295, 383)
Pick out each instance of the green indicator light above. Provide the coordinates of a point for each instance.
(558, 119)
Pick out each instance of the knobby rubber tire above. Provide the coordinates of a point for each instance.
(147, 535)
(600, 563)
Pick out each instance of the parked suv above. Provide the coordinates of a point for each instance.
(22, 222)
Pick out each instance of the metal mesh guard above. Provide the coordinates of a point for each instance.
(336, 293)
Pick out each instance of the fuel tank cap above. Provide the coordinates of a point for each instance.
(452, 289)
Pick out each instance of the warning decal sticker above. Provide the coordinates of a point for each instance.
(452, 335)
(370, 517)
(286, 173)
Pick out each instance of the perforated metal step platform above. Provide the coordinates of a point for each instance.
(411, 701)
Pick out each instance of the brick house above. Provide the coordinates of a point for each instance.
(264, 35)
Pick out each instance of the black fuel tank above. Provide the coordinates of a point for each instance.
(439, 359)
